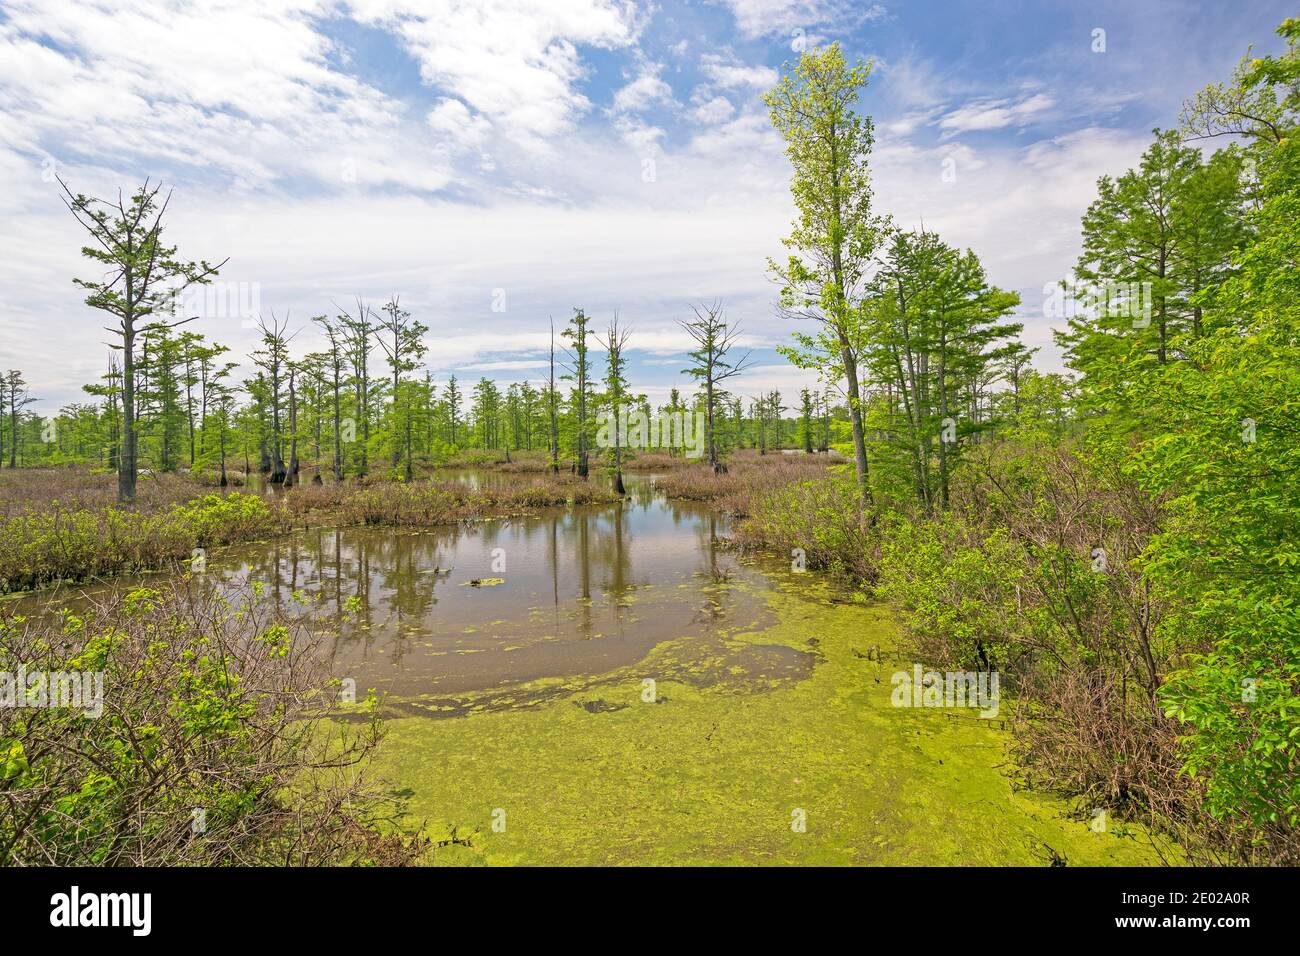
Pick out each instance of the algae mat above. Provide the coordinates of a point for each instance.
(736, 755)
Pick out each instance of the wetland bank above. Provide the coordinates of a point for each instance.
(614, 684)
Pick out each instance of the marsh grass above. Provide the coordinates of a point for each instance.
(425, 503)
(28, 490)
(747, 477)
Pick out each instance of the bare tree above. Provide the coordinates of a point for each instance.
(714, 338)
(552, 399)
(614, 342)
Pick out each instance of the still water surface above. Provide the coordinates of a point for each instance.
(562, 593)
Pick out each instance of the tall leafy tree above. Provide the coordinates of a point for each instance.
(404, 347)
(452, 396)
(358, 331)
(486, 413)
(334, 359)
(579, 372)
(835, 233)
(934, 325)
(14, 387)
(273, 358)
(143, 279)
(1222, 448)
(1155, 238)
(806, 419)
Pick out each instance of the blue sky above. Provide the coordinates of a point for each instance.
(499, 162)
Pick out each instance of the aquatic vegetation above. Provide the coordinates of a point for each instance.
(698, 768)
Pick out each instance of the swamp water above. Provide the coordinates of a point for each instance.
(608, 684)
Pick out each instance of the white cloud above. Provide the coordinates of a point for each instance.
(446, 260)
(644, 91)
(913, 82)
(641, 136)
(728, 72)
(712, 111)
(514, 61)
(460, 129)
(1018, 207)
(996, 114)
(748, 139)
(908, 123)
(269, 113)
(259, 94)
(759, 380)
(702, 231)
(513, 365)
(756, 18)
(244, 89)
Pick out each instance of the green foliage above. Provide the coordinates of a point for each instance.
(818, 518)
(828, 143)
(38, 548)
(204, 744)
(834, 236)
(1225, 451)
(958, 585)
(1157, 241)
(934, 332)
(1199, 412)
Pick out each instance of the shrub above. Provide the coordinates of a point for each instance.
(818, 517)
(958, 587)
(37, 548)
(213, 743)
(1037, 572)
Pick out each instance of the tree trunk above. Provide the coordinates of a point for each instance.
(855, 417)
(126, 469)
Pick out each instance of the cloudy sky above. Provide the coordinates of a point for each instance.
(501, 161)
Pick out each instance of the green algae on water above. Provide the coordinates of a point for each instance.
(711, 758)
